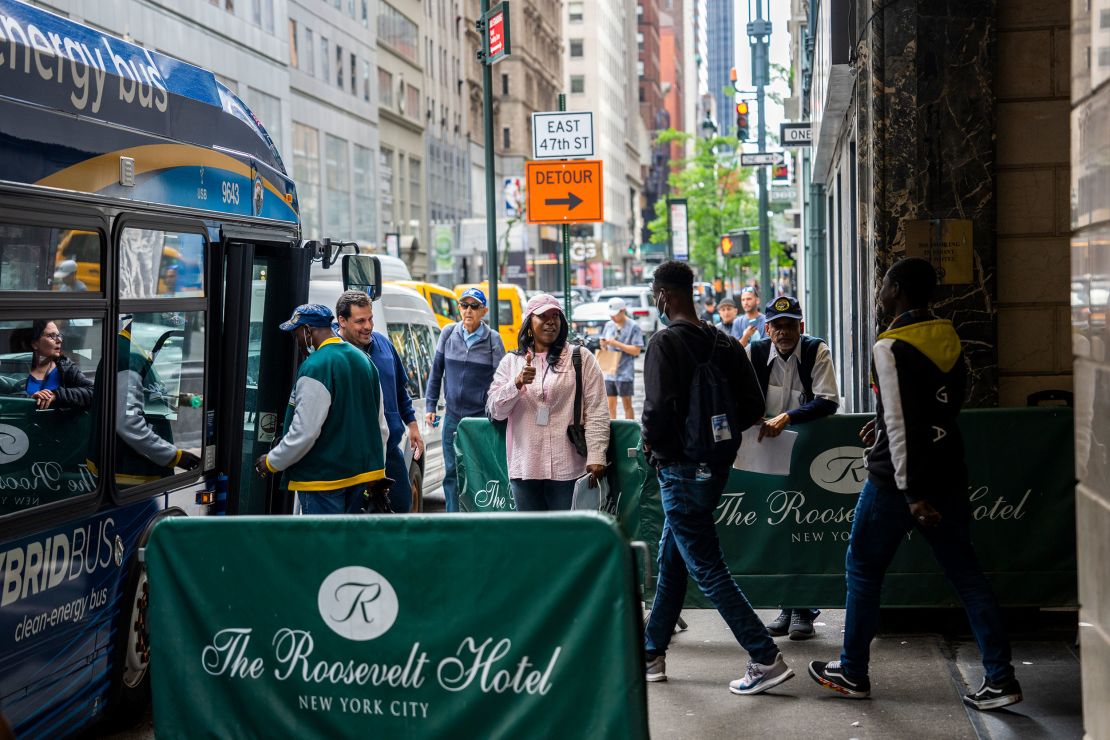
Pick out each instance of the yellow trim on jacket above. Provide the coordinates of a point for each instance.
(335, 485)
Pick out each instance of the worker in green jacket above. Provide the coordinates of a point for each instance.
(328, 454)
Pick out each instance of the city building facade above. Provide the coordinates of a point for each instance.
(721, 31)
(653, 114)
(601, 61)
(401, 111)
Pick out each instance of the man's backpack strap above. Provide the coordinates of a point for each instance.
(760, 352)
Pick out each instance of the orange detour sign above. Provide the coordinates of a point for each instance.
(567, 192)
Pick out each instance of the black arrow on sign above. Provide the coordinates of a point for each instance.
(570, 201)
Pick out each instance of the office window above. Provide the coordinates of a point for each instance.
(505, 138)
(306, 172)
(395, 29)
(577, 84)
(412, 101)
(385, 88)
(385, 186)
(362, 167)
(504, 83)
(416, 207)
(339, 66)
(325, 59)
(267, 109)
(293, 56)
(366, 13)
(639, 41)
(309, 52)
(338, 191)
(576, 48)
(366, 80)
(574, 12)
(354, 76)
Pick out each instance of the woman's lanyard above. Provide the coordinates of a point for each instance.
(543, 379)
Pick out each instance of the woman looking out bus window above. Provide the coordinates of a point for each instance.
(54, 381)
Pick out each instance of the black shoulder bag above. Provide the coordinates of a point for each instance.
(577, 430)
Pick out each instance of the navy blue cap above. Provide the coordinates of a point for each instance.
(784, 307)
(309, 314)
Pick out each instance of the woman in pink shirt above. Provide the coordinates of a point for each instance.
(534, 389)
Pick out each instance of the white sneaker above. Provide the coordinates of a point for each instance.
(656, 669)
(759, 678)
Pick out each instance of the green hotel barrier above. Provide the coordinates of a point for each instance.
(797, 526)
(484, 473)
(483, 626)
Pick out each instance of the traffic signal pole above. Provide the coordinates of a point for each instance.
(759, 36)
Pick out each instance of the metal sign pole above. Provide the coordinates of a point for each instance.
(566, 241)
(491, 204)
(759, 35)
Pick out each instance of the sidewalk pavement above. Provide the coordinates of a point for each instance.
(917, 681)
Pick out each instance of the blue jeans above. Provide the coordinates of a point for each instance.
(347, 500)
(542, 495)
(690, 546)
(881, 522)
(450, 476)
(400, 495)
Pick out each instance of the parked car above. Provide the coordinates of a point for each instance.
(587, 322)
(444, 303)
(641, 306)
(405, 317)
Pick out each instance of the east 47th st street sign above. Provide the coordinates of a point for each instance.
(565, 192)
(562, 135)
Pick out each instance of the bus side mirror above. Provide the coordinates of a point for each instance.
(363, 272)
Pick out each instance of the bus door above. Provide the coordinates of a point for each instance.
(265, 281)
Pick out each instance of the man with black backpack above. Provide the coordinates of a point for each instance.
(797, 378)
(700, 394)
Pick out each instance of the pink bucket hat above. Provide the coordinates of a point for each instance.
(541, 304)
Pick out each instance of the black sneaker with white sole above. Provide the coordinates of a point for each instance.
(994, 695)
(831, 676)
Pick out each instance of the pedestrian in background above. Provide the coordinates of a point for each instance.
(356, 325)
(917, 478)
(710, 314)
(534, 389)
(467, 356)
(798, 381)
(621, 334)
(752, 322)
(727, 310)
(333, 445)
(692, 480)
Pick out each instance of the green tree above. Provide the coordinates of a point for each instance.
(720, 197)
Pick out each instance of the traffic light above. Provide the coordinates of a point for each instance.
(726, 245)
(742, 121)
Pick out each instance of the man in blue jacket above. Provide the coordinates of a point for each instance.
(466, 358)
(355, 314)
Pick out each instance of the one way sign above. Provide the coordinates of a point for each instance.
(567, 192)
(796, 134)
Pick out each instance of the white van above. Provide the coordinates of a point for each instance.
(405, 317)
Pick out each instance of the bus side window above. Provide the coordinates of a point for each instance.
(49, 402)
(45, 258)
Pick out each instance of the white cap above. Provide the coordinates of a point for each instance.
(616, 305)
(65, 269)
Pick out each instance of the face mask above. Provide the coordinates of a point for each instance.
(663, 318)
(308, 342)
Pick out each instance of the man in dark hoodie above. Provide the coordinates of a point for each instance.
(691, 487)
(917, 478)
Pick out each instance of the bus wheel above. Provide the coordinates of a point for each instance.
(416, 485)
(129, 691)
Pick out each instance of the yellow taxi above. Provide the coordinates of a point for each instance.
(510, 309)
(444, 303)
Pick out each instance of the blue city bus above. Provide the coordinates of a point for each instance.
(149, 247)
